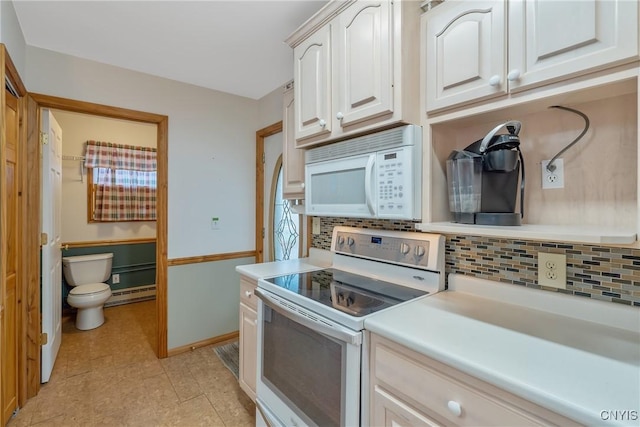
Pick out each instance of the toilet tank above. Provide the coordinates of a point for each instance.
(84, 269)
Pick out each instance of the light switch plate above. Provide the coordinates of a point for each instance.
(315, 225)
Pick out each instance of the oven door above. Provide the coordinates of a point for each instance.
(308, 370)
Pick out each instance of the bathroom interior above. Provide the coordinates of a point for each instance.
(119, 254)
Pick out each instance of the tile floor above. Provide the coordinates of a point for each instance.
(110, 376)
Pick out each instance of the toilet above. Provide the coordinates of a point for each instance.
(87, 274)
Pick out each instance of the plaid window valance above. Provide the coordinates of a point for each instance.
(118, 156)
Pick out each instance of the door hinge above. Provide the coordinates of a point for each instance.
(263, 232)
(44, 138)
(44, 239)
(264, 158)
(44, 338)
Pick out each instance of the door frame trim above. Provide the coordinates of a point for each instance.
(162, 123)
(261, 135)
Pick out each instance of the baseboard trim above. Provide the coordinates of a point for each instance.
(215, 340)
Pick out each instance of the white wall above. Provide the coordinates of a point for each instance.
(211, 145)
(11, 36)
(76, 130)
(270, 108)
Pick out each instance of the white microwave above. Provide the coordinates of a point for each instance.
(372, 176)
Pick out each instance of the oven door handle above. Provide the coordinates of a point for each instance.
(311, 321)
(269, 420)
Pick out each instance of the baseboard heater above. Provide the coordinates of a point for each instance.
(129, 295)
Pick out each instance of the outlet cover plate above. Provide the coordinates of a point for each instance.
(552, 270)
(553, 179)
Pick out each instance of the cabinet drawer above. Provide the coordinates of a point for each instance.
(450, 396)
(247, 292)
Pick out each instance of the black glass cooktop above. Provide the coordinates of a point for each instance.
(351, 293)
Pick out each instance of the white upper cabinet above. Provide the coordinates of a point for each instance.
(364, 63)
(312, 74)
(356, 68)
(548, 40)
(292, 157)
(465, 52)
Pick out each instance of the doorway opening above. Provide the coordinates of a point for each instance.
(36, 102)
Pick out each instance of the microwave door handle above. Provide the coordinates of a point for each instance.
(332, 330)
(369, 184)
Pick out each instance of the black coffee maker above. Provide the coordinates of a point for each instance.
(483, 179)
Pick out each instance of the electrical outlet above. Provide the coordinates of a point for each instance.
(553, 179)
(115, 279)
(315, 225)
(552, 270)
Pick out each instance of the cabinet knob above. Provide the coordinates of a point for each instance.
(454, 408)
(339, 116)
(247, 294)
(494, 80)
(513, 75)
(302, 185)
(322, 123)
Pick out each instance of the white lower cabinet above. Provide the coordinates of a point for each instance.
(248, 337)
(408, 388)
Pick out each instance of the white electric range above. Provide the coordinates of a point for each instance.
(310, 325)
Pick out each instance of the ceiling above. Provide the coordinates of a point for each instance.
(234, 46)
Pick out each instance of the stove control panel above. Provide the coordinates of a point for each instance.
(396, 247)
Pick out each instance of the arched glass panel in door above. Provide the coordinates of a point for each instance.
(286, 226)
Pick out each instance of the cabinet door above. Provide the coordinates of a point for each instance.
(550, 40)
(248, 350)
(292, 157)
(389, 411)
(465, 52)
(312, 75)
(364, 62)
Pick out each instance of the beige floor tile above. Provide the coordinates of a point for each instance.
(111, 377)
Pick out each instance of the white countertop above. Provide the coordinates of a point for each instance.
(318, 258)
(574, 356)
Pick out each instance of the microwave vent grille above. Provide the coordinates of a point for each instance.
(396, 137)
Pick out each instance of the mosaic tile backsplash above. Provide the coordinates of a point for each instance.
(604, 273)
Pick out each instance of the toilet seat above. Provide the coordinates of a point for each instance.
(89, 289)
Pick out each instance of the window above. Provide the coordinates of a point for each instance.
(121, 182)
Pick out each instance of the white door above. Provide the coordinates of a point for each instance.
(51, 256)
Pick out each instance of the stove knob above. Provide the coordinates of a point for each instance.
(349, 301)
(404, 248)
(419, 251)
(350, 241)
(340, 240)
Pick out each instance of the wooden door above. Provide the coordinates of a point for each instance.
(363, 58)
(312, 74)
(551, 40)
(9, 311)
(465, 52)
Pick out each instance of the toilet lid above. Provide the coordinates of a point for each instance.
(91, 288)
